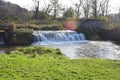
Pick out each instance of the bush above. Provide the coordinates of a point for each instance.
(106, 22)
(26, 26)
(52, 27)
(55, 26)
(34, 51)
(39, 22)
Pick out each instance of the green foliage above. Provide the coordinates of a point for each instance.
(8, 19)
(26, 26)
(44, 16)
(106, 22)
(52, 27)
(55, 7)
(54, 67)
(40, 22)
(37, 50)
(104, 19)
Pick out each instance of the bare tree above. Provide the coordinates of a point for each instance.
(56, 7)
(48, 10)
(68, 13)
(94, 5)
(104, 7)
(36, 9)
(100, 7)
(118, 14)
(86, 8)
(77, 8)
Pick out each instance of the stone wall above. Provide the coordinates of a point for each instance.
(21, 37)
(91, 28)
(90, 23)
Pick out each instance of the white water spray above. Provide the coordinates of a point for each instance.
(65, 36)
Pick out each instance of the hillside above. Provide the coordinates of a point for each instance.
(9, 10)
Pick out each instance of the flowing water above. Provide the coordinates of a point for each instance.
(74, 45)
(57, 37)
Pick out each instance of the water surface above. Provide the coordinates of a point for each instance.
(88, 49)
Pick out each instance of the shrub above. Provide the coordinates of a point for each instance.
(106, 22)
(39, 22)
(26, 26)
(52, 27)
(58, 52)
(39, 50)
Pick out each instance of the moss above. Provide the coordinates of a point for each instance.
(19, 37)
(52, 27)
(8, 26)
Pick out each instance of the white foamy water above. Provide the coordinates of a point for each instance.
(74, 45)
(91, 49)
(57, 37)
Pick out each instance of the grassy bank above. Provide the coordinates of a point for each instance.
(52, 66)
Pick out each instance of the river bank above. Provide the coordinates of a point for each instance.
(89, 49)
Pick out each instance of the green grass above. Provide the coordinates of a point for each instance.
(57, 67)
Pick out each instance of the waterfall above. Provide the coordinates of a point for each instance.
(57, 36)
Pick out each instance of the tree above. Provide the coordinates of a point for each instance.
(100, 7)
(69, 13)
(86, 8)
(104, 7)
(77, 8)
(36, 9)
(95, 8)
(56, 7)
(48, 10)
